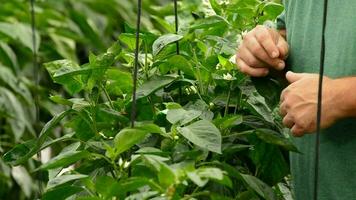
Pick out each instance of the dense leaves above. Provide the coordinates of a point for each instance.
(203, 130)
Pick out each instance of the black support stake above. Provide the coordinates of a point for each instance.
(177, 43)
(136, 65)
(36, 78)
(320, 94)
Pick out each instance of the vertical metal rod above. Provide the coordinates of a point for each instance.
(36, 78)
(177, 43)
(176, 23)
(319, 108)
(136, 65)
(34, 59)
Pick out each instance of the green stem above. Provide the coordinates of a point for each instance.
(203, 193)
(107, 96)
(228, 100)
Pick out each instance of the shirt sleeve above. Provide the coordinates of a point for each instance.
(281, 21)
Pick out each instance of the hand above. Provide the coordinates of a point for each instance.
(262, 48)
(299, 103)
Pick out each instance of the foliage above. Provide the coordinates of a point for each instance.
(202, 130)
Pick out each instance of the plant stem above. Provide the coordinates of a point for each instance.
(203, 193)
(107, 96)
(228, 100)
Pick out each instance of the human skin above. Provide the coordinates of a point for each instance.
(264, 49)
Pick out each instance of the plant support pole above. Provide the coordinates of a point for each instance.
(36, 79)
(320, 94)
(177, 43)
(34, 59)
(136, 65)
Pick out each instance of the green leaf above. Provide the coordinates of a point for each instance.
(65, 159)
(256, 103)
(202, 175)
(133, 183)
(82, 126)
(19, 155)
(216, 7)
(87, 28)
(166, 176)
(153, 85)
(259, 187)
(8, 56)
(271, 10)
(178, 62)
(58, 71)
(60, 100)
(19, 151)
(64, 179)
(23, 179)
(204, 134)
(118, 82)
(273, 137)
(99, 64)
(163, 41)
(228, 121)
(61, 193)
(129, 40)
(151, 128)
(20, 32)
(107, 186)
(127, 138)
(16, 113)
(209, 22)
(181, 116)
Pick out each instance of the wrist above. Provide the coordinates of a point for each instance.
(345, 99)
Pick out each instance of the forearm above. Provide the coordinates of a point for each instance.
(346, 96)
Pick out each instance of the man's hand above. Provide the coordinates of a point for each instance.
(299, 102)
(262, 49)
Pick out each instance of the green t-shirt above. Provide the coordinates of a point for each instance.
(303, 21)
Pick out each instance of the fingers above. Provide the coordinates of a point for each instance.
(288, 121)
(283, 48)
(257, 72)
(283, 109)
(265, 37)
(260, 53)
(251, 59)
(297, 131)
(293, 77)
(262, 48)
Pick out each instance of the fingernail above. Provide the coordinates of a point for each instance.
(281, 65)
(274, 54)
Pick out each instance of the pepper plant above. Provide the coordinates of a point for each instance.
(202, 129)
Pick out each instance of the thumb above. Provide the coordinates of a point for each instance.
(293, 77)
